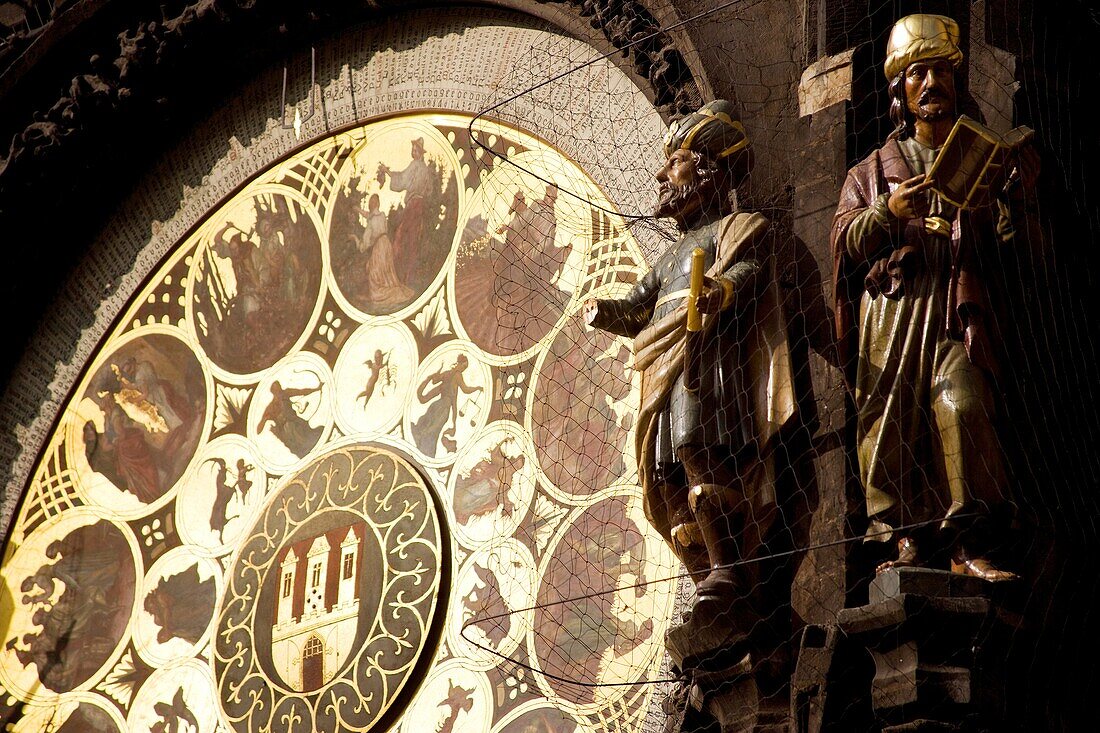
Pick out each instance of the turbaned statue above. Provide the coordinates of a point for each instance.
(713, 400)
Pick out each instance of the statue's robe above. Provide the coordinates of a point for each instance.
(925, 347)
(746, 391)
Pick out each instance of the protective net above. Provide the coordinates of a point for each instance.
(410, 430)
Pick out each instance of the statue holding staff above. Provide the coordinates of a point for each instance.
(706, 454)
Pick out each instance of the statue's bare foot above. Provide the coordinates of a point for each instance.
(979, 567)
(908, 556)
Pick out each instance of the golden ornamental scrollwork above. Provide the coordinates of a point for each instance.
(333, 597)
(284, 459)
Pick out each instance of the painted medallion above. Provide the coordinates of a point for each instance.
(348, 461)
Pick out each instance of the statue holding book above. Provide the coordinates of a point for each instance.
(913, 220)
(715, 392)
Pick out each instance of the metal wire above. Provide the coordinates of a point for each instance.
(629, 218)
(678, 576)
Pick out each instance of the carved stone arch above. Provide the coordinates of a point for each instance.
(121, 79)
(664, 64)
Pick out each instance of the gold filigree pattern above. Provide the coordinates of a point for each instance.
(371, 628)
(372, 433)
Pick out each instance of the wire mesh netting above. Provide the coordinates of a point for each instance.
(411, 430)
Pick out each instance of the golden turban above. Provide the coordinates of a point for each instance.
(919, 38)
(712, 130)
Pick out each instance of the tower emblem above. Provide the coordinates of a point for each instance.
(308, 636)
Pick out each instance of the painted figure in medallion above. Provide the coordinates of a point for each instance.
(392, 228)
(256, 283)
(152, 401)
(228, 483)
(485, 487)
(284, 415)
(417, 180)
(181, 605)
(583, 385)
(383, 286)
(458, 699)
(80, 601)
(486, 603)
(444, 393)
(705, 450)
(580, 635)
(908, 272)
(508, 289)
(380, 369)
(526, 261)
(174, 717)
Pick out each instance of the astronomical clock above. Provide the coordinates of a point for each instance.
(349, 460)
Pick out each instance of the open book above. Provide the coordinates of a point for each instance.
(973, 164)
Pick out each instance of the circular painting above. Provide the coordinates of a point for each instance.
(73, 583)
(582, 410)
(291, 410)
(492, 484)
(453, 394)
(517, 261)
(177, 606)
(255, 281)
(216, 501)
(394, 217)
(597, 614)
(373, 378)
(333, 596)
(139, 421)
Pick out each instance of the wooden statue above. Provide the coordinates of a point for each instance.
(908, 271)
(705, 440)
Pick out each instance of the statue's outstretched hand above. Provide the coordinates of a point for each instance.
(591, 310)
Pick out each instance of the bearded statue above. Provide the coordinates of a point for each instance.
(714, 400)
